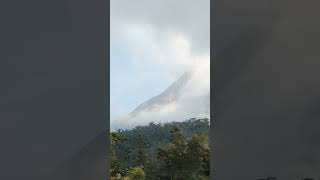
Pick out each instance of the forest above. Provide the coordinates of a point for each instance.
(169, 151)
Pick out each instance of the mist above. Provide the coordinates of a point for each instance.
(165, 40)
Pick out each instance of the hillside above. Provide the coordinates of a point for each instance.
(170, 150)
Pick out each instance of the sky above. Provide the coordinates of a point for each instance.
(152, 44)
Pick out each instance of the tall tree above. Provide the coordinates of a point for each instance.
(197, 155)
(141, 151)
(115, 140)
(174, 154)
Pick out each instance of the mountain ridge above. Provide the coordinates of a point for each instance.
(186, 97)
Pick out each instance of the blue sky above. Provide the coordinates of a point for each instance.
(129, 84)
(152, 44)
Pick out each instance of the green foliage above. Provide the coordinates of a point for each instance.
(175, 151)
(197, 154)
(152, 167)
(174, 154)
(184, 158)
(115, 140)
(141, 150)
(137, 173)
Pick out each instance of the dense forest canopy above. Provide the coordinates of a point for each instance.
(169, 151)
(175, 150)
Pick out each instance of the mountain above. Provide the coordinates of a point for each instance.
(186, 97)
(171, 94)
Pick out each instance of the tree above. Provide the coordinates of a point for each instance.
(141, 151)
(152, 166)
(173, 154)
(137, 173)
(186, 158)
(197, 155)
(170, 151)
(115, 140)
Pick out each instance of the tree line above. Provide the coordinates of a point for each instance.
(170, 151)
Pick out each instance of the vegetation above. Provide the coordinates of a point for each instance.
(170, 151)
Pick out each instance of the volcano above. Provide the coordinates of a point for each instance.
(187, 97)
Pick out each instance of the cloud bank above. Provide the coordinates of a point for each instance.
(167, 39)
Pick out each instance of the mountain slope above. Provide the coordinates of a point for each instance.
(187, 97)
(171, 94)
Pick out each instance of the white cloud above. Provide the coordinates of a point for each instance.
(191, 17)
(172, 51)
(172, 39)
